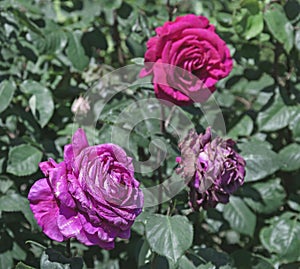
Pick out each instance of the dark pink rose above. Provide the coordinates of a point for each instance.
(190, 43)
(91, 196)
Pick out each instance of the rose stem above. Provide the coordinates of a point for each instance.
(160, 169)
(117, 38)
(68, 248)
(170, 10)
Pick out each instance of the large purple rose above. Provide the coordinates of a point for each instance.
(91, 196)
(212, 168)
(191, 43)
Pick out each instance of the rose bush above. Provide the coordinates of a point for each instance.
(212, 168)
(92, 195)
(190, 43)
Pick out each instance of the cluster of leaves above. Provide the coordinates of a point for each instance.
(51, 52)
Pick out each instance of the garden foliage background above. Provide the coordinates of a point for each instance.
(52, 52)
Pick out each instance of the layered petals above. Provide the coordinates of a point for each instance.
(211, 167)
(191, 44)
(91, 196)
(45, 209)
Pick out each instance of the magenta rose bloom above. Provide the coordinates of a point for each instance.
(91, 196)
(212, 168)
(190, 43)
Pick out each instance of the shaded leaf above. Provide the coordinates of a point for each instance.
(14, 202)
(41, 101)
(7, 90)
(23, 160)
(268, 196)
(169, 236)
(239, 216)
(45, 263)
(290, 157)
(21, 265)
(212, 256)
(206, 266)
(185, 263)
(294, 125)
(6, 260)
(279, 25)
(5, 184)
(276, 117)
(282, 237)
(243, 128)
(260, 160)
(75, 51)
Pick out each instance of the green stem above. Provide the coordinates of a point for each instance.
(160, 169)
(68, 248)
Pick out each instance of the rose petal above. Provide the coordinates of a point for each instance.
(45, 209)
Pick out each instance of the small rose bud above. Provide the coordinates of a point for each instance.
(80, 106)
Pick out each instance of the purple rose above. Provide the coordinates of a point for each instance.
(91, 196)
(212, 168)
(191, 43)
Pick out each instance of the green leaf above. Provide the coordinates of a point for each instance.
(5, 184)
(267, 196)
(75, 51)
(111, 4)
(248, 19)
(138, 61)
(255, 25)
(279, 25)
(140, 222)
(46, 264)
(261, 161)
(294, 125)
(224, 98)
(14, 202)
(6, 260)
(41, 101)
(23, 160)
(297, 39)
(206, 266)
(282, 237)
(276, 117)
(143, 252)
(7, 90)
(239, 216)
(185, 263)
(294, 202)
(210, 255)
(135, 47)
(243, 128)
(18, 253)
(256, 87)
(251, 5)
(21, 265)
(24, 20)
(55, 42)
(169, 236)
(290, 157)
(246, 260)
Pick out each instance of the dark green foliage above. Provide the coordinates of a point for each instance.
(53, 52)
